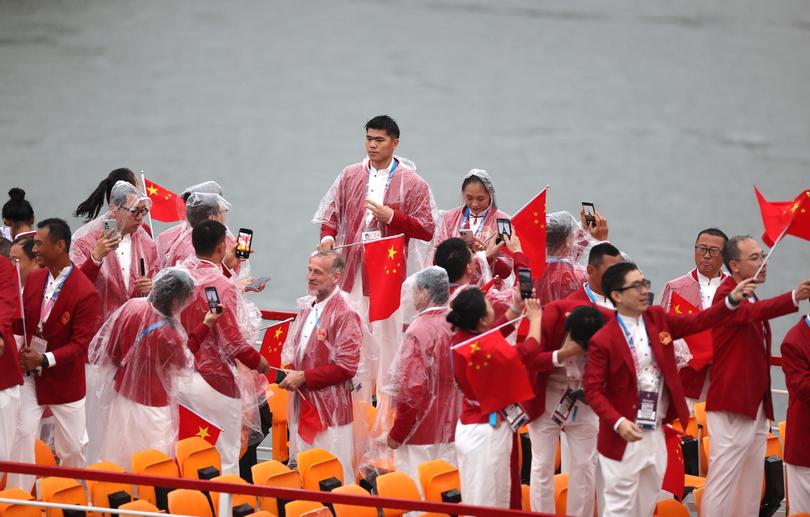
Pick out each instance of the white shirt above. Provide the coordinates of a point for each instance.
(377, 180)
(124, 255)
(647, 372)
(312, 322)
(598, 299)
(50, 288)
(708, 286)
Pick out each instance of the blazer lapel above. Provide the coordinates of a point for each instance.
(624, 348)
(59, 305)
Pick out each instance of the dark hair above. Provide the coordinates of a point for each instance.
(90, 207)
(5, 247)
(582, 323)
(467, 309)
(17, 209)
(385, 123)
(206, 236)
(58, 230)
(453, 255)
(27, 243)
(472, 178)
(556, 235)
(712, 231)
(613, 279)
(731, 250)
(598, 253)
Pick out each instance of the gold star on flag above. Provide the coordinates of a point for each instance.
(678, 309)
(278, 333)
(203, 432)
(152, 190)
(391, 252)
(474, 348)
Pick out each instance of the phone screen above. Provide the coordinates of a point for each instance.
(504, 228)
(466, 234)
(525, 278)
(244, 242)
(212, 296)
(590, 213)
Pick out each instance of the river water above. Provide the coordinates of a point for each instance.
(664, 114)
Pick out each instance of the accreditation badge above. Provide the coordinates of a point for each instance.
(647, 416)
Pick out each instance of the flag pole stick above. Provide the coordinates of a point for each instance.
(367, 242)
(148, 214)
(775, 244)
(490, 331)
(22, 304)
(274, 324)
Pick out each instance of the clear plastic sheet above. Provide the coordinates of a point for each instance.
(567, 248)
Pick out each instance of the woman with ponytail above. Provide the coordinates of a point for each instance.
(91, 207)
(18, 215)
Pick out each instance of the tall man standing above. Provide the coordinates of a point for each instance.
(739, 398)
(379, 197)
(62, 314)
(698, 288)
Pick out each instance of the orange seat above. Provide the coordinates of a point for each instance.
(396, 485)
(236, 499)
(561, 493)
(700, 417)
(773, 447)
(61, 490)
(300, 508)
(558, 457)
(195, 453)
(670, 508)
(347, 510)
(274, 473)
(525, 498)
(18, 510)
(139, 505)
(800, 514)
(436, 477)
(690, 481)
(315, 465)
(43, 454)
(278, 406)
(698, 498)
(189, 502)
(691, 427)
(152, 463)
(101, 490)
(261, 514)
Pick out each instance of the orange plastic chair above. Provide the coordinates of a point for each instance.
(18, 510)
(437, 476)
(139, 505)
(61, 490)
(236, 499)
(195, 453)
(315, 465)
(274, 473)
(558, 457)
(43, 454)
(189, 502)
(152, 463)
(698, 498)
(690, 481)
(704, 456)
(278, 406)
(800, 514)
(700, 417)
(691, 427)
(100, 490)
(671, 508)
(561, 493)
(261, 514)
(525, 498)
(396, 485)
(299, 508)
(782, 432)
(773, 447)
(347, 510)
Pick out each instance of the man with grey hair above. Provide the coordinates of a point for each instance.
(423, 397)
(323, 351)
(738, 403)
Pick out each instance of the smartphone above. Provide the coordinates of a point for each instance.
(111, 224)
(280, 376)
(526, 284)
(504, 228)
(590, 213)
(213, 299)
(650, 298)
(256, 284)
(467, 235)
(143, 267)
(243, 243)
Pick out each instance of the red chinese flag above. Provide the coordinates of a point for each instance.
(491, 369)
(529, 224)
(272, 344)
(192, 424)
(164, 202)
(675, 474)
(384, 261)
(309, 421)
(790, 217)
(700, 344)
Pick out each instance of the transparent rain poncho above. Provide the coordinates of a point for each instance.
(567, 247)
(136, 358)
(420, 405)
(226, 358)
(167, 237)
(108, 278)
(343, 211)
(460, 218)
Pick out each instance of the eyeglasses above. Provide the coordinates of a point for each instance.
(753, 258)
(638, 286)
(136, 212)
(703, 250)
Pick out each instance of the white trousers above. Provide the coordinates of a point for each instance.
(484, 453)
(581, 430)
(632, 484)
(690, 403)
(92, 410)
(407, 458)
(133, 427)
(337, 440)
(798, 486)
(736, 459)
(70, 432)
(223, 411)
(10, 409)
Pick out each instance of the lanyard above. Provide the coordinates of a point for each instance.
(631, 343)
(807, 320)
(143, 334)
(47, 304)
(591, 296)
(467, 220)
(394, 164)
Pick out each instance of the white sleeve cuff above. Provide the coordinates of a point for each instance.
(554, 360)
(390, 218)
(795, 301)
(618, 423)
(96, 262)
(51, 359)
(327, 237)
(729, 306)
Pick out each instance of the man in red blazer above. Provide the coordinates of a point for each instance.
(632, 384)
(10, 375)
(796, 365)
(323, 350)
(698, 287)
(738, 403)
(62, 314)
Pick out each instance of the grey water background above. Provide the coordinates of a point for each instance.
(664, 114)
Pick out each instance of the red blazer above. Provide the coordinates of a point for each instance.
(741, 372)
(74, 320)
(10, 374)
(610, 380)
(796, 365)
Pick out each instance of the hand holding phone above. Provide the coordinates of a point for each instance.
(590, 213)
(213, 299)
(526, 284)
(504, 228)
(467, 235)
(111, 225)
(257, 284)
(244, 242)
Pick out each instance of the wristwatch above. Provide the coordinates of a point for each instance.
(45, 362)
